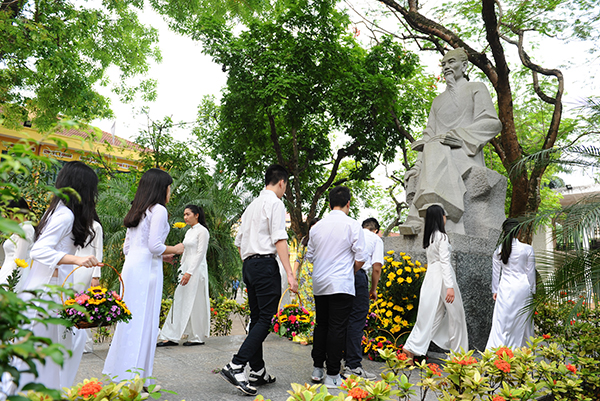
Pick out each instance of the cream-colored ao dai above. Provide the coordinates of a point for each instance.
(439, 321)
(134, 343)
(190, 312)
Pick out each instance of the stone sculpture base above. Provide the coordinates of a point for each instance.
(472, 261)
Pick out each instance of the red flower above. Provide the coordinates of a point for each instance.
(536, 313)
(546, 336)
(435, 369)
(498, 398)
(402, 356)
(292, 318)
(504, 351)
(572, 368)
(379, 344)
(502, 365)
(358, 393)
(216, 313)
(465, 362)
(276, 328)
(90, 389)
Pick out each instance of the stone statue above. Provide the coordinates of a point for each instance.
(461, 122)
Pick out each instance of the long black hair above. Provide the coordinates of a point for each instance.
(152, 189)
(84, 181)
(509, 232)
(434, 221)
(310, 224)
(200, 212)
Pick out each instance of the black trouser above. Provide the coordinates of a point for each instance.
(332, 312)
(263, 282)
(357, 320)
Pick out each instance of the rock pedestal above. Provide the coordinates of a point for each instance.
(472, 261)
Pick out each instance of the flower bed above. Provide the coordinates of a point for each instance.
(394, 313)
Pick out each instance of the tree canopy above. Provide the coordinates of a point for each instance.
(303, 93)
(54, 53)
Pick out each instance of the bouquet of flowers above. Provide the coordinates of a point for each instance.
(292, 321)
(102, 308)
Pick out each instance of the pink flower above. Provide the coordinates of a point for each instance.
(81, 299)
(293, 318)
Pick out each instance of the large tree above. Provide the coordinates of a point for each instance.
(54, 53)
(303, 93)
(484, 28)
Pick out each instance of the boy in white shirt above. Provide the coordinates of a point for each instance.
(261, 236)
(360, 307)
(337, 250)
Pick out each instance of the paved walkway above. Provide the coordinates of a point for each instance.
(190, 370)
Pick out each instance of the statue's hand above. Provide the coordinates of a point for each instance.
(451, 141)
(413, 172)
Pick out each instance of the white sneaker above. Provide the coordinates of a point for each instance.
(332, 381)
(318, 374)
(359, 371)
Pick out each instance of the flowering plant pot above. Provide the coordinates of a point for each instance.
(101, 308)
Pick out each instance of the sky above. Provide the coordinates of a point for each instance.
(186, 75)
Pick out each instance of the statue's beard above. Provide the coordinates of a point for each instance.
(451, 87)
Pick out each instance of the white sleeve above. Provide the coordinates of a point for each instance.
(496, 268)
(126, 243)
(531, 270)
(277, 222)
(98, 244)
(444, 252)
(377, 256)
(359, 247)
(23, 245)
(59, 226)
(158, 233)
(200, 251)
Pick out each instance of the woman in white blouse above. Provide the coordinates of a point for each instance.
(441, 317)
(190, 312)
(134, 343)
(511, 323)
(17, 247)
(66, 224)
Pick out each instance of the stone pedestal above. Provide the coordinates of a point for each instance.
(472, 261)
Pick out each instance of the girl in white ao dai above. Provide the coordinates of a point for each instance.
(190, 313)
(441, 317)
(511, 323)
(66, 225)
(134, 343)
(16, 247)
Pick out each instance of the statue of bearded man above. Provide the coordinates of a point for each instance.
(461, 122)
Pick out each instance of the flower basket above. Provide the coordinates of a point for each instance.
(293, 321)
(102, 307)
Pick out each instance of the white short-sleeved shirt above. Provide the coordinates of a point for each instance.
(335, 243)
(373, 248)
(263, 225)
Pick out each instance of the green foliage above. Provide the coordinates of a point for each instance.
(222, 312)
(54, 53)
(16, 337)
(303, 93)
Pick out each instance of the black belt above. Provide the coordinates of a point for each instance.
(257, 256)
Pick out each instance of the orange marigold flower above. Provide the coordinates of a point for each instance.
(504, 350)
(498, 398)
(572, 368)
(402, 356)
(502, 365)
(465, 362)
(546, 336)
(90, 388)
(358, 393)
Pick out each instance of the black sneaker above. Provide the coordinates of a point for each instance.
(256, 379)
(228, 373)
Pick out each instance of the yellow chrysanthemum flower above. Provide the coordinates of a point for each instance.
(390, 252)
(396, 264)
(400, 280)
(416, 275)
(21, 263)
(410, 307)
(390, 304)
(404, 323)
(391, 276)
(411, 264)
(417, 263)
(397, 319)
(388, 283)
(179, 224)
(409, 280)
(388, 313)
(402, 253)
(406, 257)
(395, 329)
(397, 308)
(407, 269)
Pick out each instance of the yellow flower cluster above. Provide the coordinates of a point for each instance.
(21, 263)
(122, 305)
(179, 224)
